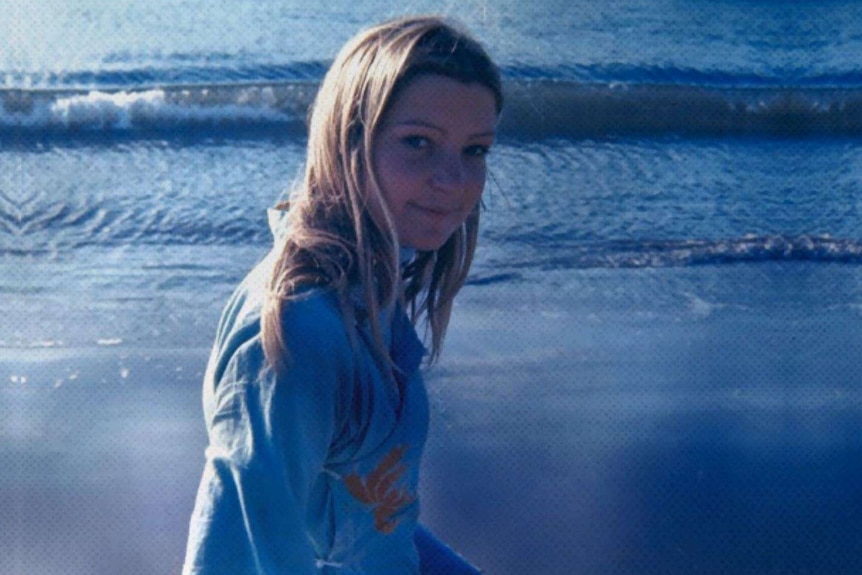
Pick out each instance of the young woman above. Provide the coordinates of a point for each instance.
(314, 403)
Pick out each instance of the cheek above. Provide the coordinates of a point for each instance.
(375, 202)
(396, 177)
(474, 188)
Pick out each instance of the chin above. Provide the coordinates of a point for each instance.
(426, 244)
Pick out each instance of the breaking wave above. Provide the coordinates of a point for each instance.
(535, 108)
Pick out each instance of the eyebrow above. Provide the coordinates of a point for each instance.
(490, 133)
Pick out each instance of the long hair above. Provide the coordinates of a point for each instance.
(332, 240)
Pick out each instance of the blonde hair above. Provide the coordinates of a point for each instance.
(332, 240)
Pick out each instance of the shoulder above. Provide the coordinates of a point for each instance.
(315, 314)
(313, 329)
(312, 385)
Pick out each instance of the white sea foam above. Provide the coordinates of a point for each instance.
(100, 109)
(154, 108)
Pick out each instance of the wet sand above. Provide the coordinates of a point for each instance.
(564, 440)
(101, 452)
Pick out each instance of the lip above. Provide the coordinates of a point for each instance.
(434, 210)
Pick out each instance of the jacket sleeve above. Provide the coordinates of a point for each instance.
(436, 558)
(269, 441)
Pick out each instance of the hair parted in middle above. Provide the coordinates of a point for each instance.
(332, 240)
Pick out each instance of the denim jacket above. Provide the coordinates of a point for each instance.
(314, 471)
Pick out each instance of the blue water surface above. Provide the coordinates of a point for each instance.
(93, 42)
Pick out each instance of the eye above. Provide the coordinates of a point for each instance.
(416, 142)
(478, 151)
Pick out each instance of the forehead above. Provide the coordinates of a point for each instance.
(445, 103)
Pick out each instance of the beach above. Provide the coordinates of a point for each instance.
(654, 364)
(567, 435)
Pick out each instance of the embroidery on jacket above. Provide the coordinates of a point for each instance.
(379, 489)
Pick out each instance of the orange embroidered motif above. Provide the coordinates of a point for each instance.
(379, 491)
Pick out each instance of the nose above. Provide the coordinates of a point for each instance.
(449, 173)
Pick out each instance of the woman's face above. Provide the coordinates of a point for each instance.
(429, 157)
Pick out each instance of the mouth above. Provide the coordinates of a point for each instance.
(434, 210)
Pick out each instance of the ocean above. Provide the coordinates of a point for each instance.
(653, 368)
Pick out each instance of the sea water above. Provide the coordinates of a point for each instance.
(654, 366)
